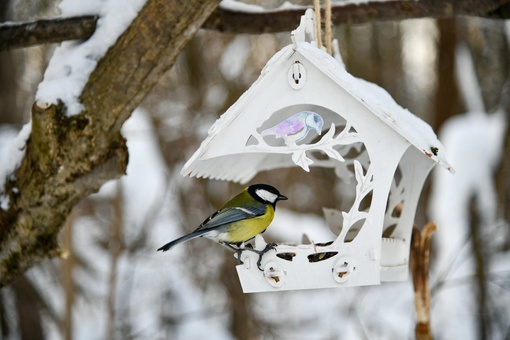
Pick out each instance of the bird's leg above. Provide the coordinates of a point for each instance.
(238, 251)
(269, 246)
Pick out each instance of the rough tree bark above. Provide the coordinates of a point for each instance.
(68, 158)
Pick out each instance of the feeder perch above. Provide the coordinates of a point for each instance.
(306, 110)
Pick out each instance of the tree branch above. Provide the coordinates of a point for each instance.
(47, 31)
(226, 20)
(17, 35)
(68, 158)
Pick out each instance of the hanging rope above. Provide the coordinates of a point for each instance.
(328, 37)
(317, 8)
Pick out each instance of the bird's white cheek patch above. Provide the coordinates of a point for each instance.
(266, 195)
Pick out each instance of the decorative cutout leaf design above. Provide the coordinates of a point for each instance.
(364, 186)
(326, 144)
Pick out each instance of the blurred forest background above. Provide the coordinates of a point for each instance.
(113, 284)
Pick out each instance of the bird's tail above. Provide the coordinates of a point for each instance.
(267, 132)
(195, 234)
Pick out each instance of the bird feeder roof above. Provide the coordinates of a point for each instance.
(224, 163)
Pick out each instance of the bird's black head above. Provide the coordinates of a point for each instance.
(266, 194)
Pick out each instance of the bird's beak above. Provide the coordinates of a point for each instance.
(318, 131)
(282, 198)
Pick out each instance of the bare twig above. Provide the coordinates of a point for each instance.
(16, 35)
(116, 249)
(420, 260)
(67, 268)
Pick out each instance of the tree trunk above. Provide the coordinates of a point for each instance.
(68, 158)
(447, 94)
(7, 80)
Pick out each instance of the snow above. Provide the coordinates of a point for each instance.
(150, 284)
(291, 227)
(468, 81)
(146, 211)
(12, 150)
(290, 5)
(419, 59)
(73, 62)
(235, 57)
(237, 6)
(475, 142)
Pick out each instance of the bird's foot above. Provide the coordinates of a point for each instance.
(238, 250)
(268, 247)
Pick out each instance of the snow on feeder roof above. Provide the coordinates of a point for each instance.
(306, 110)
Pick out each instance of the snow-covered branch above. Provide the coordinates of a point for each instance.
(233, 17)
(69, 157)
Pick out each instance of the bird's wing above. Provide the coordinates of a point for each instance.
(230, 215)
(289, 126)
(294, 127)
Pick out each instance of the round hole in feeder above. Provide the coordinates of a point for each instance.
(297, 76)
(274, 274)
(343, 269)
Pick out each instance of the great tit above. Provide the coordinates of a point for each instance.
(241, 219)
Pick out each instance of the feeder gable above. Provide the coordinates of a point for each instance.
(276, 96)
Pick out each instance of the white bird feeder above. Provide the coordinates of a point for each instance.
(306, 110)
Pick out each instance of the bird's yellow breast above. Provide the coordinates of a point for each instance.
(247, 229)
